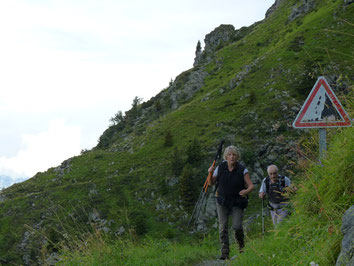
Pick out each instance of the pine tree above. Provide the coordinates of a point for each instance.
(187, 187)
(198, 49)
(177, 162)
(194, 155)
(168, 139)
(118, 118)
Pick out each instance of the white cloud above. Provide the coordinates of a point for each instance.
(43, 150)
(85, 60)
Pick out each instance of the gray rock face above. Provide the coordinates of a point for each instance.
(273, 8)
(193, 83)
(215, 40)
(307, 6)
(346, 255)
(240, 76)
(208, 212)
(218, 36)
(64, 168)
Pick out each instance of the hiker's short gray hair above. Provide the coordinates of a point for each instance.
(272, 166)
(232, 149)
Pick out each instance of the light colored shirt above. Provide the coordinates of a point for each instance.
(217, 168)
(263, 188)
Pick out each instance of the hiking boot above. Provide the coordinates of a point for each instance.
(239, 235)
(224, 257)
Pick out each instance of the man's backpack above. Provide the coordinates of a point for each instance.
(276, 195)
(280, 183)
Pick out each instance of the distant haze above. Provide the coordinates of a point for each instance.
(6, 181)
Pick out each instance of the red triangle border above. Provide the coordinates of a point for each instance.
(321, 81)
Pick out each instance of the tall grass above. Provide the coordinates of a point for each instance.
(145, 252)
(312, 233)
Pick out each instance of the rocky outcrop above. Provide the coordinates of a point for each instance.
(215, 40)
(64, 168)
(346, 255)
(218, 37)
(273, 8)
(185, 86)
(198, 54)
(208, 212)
(240, 76)
(306, 7)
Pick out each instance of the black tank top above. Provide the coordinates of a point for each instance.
(230, 183)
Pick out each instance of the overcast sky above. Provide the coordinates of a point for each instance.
(68, 66)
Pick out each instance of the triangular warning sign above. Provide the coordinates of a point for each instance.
(322, 109)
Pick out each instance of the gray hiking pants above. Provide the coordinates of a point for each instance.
(279, 212)
(223, 215)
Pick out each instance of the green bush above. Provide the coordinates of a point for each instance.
(177, 162)
(194, 154)
(187, 187)
(139, 221)
(168, 139)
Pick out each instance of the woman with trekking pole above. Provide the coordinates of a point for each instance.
(233, 184)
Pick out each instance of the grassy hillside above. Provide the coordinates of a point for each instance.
(312, 233)
(247, 91)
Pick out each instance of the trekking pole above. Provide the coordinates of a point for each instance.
(203, 193)
(199, 208)
(196, 206)
(262, 216)
(208, 180)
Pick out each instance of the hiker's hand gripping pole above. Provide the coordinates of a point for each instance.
(208, 180)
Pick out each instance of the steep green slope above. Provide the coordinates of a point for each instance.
(313, 231)
(246, 90)
(311, 234)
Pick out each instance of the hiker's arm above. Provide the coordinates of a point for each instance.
(262, 190)
(213, 177)
(249, 185)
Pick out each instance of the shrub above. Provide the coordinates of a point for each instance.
(194, 155)
(187, 187)
(296, 44)
(177, 162)
(253, 97)
(168, 139)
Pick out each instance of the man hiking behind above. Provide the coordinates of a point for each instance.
(276, 187)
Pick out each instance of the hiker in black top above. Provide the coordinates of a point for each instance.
(233, 184)
(276, 187)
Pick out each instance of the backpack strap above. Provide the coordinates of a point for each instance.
(266, 181)
(242, 167)
(282, 181)
(220, 169)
